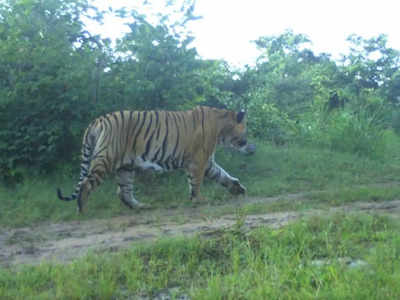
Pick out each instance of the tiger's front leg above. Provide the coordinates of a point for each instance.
(195, 174)
(218, 174)
(125, 189)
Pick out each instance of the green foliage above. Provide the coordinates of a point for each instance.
(360, 133)
(283, 71)
(43, 79)
(371, 64)
(267, 122)
(160, 71)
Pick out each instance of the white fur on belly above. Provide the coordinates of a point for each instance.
(145, 165)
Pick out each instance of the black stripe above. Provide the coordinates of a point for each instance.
(128, 129)
(107, 128)
(132, 127)
(164, 144)
(208, 170)
(148, 144)
(122, 138)
(156, 122)
(194, 121)
(159, 129)
(107, 162)
(216, 175)
(108, 123)
(122, 122)
(96, 155)
(177, 137)
(202, 119)
(166, 164)
(158, 133)
(184, 121)
(139, 130)
(113, 139)
(149, 126)
(156, 113)
(116, 120)
(130, 117)
(155, 155)
(180, 158)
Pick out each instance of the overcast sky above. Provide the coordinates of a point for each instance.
(228, 26)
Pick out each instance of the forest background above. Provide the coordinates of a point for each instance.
(56, 76)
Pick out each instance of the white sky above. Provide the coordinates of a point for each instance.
(228, 26)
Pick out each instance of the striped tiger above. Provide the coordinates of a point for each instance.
(122, 141)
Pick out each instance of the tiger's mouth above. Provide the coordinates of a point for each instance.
(239, 144)
(250, 149)
(243, 146)
(242, 143)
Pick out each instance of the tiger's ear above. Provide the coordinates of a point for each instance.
(240, 116)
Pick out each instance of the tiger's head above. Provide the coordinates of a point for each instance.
(234, 134)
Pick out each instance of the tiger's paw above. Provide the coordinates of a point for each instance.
(198, 200)
(134, 204)
(237, 188)
(141, 205)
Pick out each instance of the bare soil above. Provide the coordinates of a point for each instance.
(63, 242)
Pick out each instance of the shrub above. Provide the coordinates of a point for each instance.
(359, 132)
(267, 122)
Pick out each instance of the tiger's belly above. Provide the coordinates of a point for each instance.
(148, 165)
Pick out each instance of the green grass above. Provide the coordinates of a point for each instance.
(356, 194)
(313, 258)
(321, 200)
(294, 169)
(271, 171)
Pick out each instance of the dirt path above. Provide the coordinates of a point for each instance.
(63, 242)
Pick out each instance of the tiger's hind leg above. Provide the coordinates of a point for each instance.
(125, 188)
(93, 180)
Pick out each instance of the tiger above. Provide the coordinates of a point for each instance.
(124, 141)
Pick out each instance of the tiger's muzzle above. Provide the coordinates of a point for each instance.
(245, 147)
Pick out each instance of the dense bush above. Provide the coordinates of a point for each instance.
(44, 66)
(344, 131)
(267, 122)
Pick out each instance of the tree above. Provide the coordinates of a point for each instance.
(289, 74)
(156, 67)
(45, 64)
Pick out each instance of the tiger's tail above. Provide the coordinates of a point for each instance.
(87, 154)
